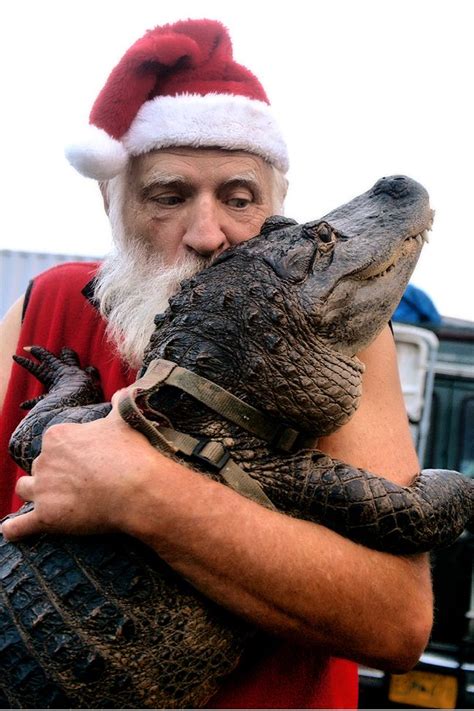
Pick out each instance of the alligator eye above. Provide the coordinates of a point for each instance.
(325, 235)
(321, 231)
(325, 232)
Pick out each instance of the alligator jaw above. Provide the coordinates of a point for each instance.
(376, 270)
(370, 294)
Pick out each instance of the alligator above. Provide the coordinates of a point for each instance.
(253, 360)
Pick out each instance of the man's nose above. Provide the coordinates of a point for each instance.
(204, 232)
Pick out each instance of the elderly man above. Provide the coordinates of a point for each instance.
(190, 162)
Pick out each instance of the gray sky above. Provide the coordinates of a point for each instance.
(361, 88)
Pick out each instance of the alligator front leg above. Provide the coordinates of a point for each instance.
(74, 395)
(430, 513)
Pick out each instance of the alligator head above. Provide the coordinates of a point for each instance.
(278, 319)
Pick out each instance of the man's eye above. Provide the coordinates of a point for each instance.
(168, 200)
(239, 202)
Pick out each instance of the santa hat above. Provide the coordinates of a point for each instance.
(178, 85)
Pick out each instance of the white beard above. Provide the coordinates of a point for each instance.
(132, 286)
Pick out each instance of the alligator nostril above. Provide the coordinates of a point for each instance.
(397, 186)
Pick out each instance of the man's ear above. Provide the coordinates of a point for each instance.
(104, 189)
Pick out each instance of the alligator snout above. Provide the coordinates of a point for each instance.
(397, 186)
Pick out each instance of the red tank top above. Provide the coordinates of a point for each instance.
(60, 312)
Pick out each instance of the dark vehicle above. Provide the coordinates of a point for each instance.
(439, 393)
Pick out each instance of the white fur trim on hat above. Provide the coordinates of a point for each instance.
(219, 120)
(97, 155)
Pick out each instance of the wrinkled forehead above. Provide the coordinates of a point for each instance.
(200, 166)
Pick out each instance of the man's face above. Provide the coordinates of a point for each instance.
(183, 200)
(171, 214)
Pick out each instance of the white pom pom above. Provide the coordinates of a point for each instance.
(97, 155)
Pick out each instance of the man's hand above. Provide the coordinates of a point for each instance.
(73, 485)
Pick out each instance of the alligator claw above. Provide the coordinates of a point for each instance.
(45, 356)
(52, 370)
(93, 372)
(29, 404)
(36, 369)
(69, 357)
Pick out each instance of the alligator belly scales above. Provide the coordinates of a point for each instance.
(102, 622)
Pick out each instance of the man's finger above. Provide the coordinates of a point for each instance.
(26, 524)
(25, 488)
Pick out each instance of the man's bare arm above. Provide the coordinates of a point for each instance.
(291, 577)
(9, 333)
(378, 438)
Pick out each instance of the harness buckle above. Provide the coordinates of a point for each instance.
(211, 453)
(289, 440)
(284, 438)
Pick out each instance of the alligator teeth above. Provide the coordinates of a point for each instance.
(422, 237)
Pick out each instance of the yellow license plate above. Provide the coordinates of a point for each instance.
(420, 688)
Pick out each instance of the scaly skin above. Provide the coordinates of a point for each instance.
(69, 388)
(276, 321)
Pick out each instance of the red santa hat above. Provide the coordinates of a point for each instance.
(178, 85)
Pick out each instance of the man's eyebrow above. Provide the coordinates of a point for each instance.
(166, 179)
(162, 179)
(244, 180)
